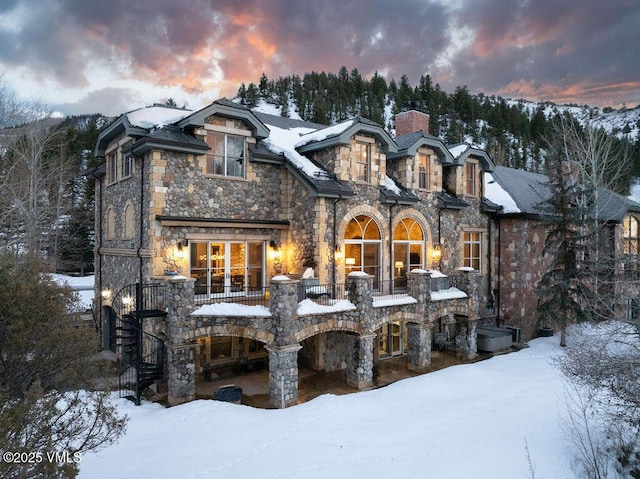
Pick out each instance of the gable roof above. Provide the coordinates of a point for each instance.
(341, 133)
(138, 123)
(462, 151)
(408, 146)
(229, 109)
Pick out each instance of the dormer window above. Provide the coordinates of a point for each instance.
(471, 188)
(362, 157)
(226, 157)
(423, 172)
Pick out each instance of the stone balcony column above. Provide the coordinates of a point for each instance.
(419, 287)
(181, 374)
(283, 305)
(360, 362)
(359, 286)
(419, 355)
(469, 282)
(283, 375)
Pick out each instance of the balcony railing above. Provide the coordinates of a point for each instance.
(325, 294)
(250, 297)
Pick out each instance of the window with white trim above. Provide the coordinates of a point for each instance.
(471, 180)
(423, 172)
(472, 255)
(226, 156)
(361, 152)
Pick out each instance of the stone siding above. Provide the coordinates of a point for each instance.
(521, 268)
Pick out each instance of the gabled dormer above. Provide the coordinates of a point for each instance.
(463, 177)
(228, 129)
(419, 161)
(355, 151)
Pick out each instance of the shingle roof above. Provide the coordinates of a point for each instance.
(286, 123)
(530, 191)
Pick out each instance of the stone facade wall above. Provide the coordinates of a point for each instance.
(521, 267)
(337, 348)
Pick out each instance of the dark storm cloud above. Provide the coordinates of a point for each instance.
(551, 49)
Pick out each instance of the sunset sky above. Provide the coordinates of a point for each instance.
(83, 56)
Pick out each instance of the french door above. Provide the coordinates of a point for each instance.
(393, 339)
(227, 268)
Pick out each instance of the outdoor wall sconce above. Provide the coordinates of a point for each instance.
(106, 294)
(436, 253)
(275, 251)
(180, 253)
(339, 254)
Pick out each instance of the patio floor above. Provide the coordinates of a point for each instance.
(311, 384)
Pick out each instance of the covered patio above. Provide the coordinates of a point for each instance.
(255, 385)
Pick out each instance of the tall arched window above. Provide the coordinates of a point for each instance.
(362, 247)
(408, 250)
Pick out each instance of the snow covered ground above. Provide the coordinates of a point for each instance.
(476, 420)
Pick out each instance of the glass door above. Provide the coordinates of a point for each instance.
(227, 268)
(236, 270)
(218, 268)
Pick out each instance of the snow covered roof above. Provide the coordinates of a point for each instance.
(498, 195)
(462, 151)
(408, 146)
(519, 191)
(156, 116)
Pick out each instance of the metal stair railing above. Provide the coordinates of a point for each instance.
(141, 353)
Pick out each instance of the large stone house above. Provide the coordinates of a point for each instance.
(254, 237)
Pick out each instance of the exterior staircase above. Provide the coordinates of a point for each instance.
(142, 354)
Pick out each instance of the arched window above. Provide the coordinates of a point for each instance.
(129, 224)
(362, 247)
(408, 250)
(110, 226)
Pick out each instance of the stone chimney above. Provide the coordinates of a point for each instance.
(411, 121)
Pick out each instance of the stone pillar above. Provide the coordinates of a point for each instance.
(466, 341)
(359, 287)
(419, 356)
(360, 362)
(283, 375)
(181, 382)
(419, 287)
(283, 305)
(469, 282)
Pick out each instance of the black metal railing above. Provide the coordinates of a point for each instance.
(249, 297)
(324, 294)
(146, 367)
(141, 353)
(390, 289)
(140, 297)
